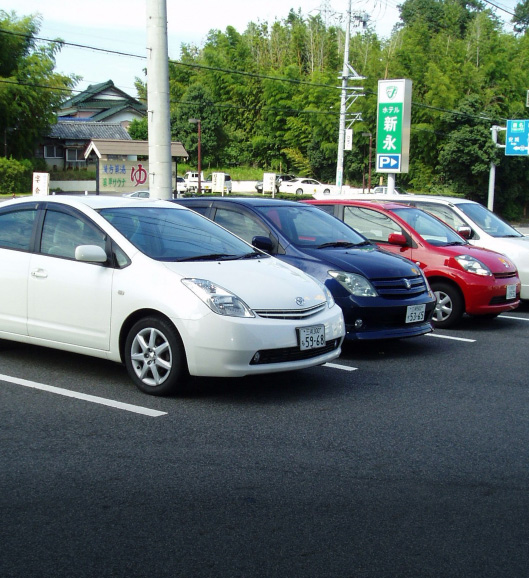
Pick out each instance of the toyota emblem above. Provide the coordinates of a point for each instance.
(300, 301)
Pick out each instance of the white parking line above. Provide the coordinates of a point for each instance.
(83, 396)
(512, 317)
(343, 367)
(450, 337)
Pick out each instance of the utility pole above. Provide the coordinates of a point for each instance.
(158, 119)
(492, 173)
(348, 95)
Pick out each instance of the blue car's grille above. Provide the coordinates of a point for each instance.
(400, 287)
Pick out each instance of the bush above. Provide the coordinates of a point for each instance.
(15, 176)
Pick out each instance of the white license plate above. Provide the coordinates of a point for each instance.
(415, 313)
(511, 292)
(311, 337)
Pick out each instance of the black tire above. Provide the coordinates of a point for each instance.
(450, 306)
(154, 356)
(299, 191)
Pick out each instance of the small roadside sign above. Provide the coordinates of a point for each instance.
(517, 138)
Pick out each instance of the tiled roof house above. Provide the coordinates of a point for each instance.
(102, 111)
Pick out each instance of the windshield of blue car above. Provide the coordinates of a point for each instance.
(488, 221)
(309, 227)
(167, 234)
(429, 228)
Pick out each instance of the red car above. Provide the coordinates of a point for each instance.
(465, 278)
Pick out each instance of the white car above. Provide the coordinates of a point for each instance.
(137, 195)
(479, 226)
(159, 288)
(304, 186)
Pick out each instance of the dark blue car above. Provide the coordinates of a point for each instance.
(382, 296)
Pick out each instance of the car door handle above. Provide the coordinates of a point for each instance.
(41, 273)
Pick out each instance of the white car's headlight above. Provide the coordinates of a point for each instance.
(356, 284)
(473, 265)
(218, 299)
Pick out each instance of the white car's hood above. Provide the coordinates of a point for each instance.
(261, 283)
(516, 248)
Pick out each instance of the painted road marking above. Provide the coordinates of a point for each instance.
(343, 367)
(83, 396)
(512, 317)
(449, 337)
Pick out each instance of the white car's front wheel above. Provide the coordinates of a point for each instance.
(154, 356)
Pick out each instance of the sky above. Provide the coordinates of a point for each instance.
(120, 26)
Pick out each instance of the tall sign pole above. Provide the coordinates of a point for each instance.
(393, 128)
(343, 101)
(349, 94)
(158, 110)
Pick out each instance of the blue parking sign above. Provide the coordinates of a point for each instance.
(517, 139)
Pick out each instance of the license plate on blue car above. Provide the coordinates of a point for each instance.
(415, 313)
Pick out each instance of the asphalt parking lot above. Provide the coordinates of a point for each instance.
(401, 459)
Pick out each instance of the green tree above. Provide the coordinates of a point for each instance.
(27, 110)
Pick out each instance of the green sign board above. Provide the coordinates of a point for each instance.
(393, 126)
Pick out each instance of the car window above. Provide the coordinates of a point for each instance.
(62, 233)
(372, 224)
(488, 221)
(329, 209)
(16, 228)
(241, 224)
(174, 234)
(431, 229)
(307, 226)
(444, 213)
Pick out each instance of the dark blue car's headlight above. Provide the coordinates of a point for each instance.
(357, 285)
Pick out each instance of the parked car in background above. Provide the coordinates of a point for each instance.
(304, 186)
(181, 186)
(279, 180)
(191, 181)
(481, 227)
(464, 278)
(137, 195)
(382, 296)
(207, 184)
(158, 288)
(384, 190)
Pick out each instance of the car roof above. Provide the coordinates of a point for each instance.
(248, 201)
(431, 198)
(93, 201)
(360, 203)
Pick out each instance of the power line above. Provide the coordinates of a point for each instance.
(218, 69)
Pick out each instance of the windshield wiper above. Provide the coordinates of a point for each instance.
(211, 257)
(252, 255)
(345, 244)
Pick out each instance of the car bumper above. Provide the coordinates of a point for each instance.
(491, 298)
(385, 321)
(227, 346)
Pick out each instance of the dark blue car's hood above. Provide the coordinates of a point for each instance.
(367, 261)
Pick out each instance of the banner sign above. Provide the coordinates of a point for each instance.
(393, 126)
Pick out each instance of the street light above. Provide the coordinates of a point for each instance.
(197, 122)
(369, 172)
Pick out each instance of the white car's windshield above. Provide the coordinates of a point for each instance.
(488, 221)
(176, 235)
(429, 228)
